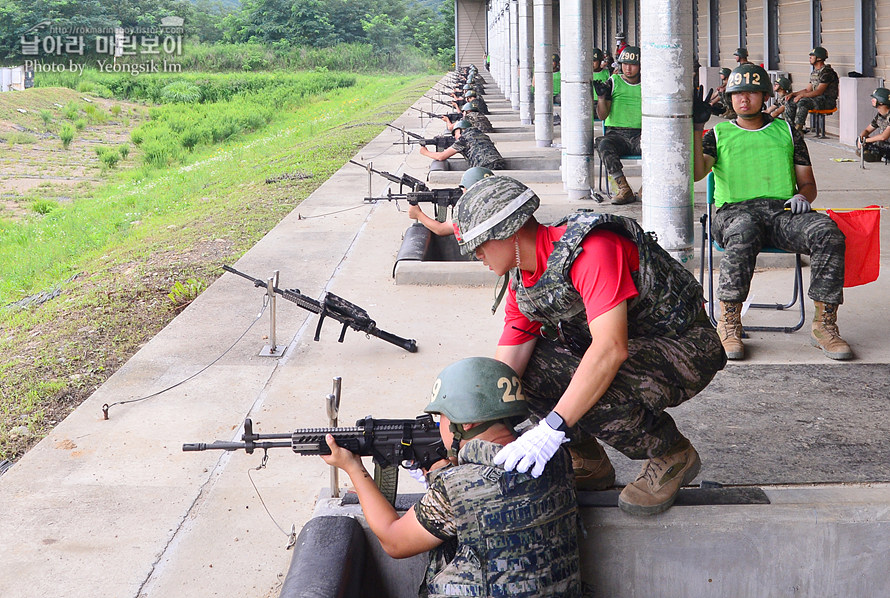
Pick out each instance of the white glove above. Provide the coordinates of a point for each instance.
(798, 204)
(535, 447)
(417, 474)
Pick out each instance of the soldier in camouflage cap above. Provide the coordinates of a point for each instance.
(607, 330)
(475, 516)
(477, 147)
(763, 186)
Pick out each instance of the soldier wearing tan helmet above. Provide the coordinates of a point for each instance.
(763, 188)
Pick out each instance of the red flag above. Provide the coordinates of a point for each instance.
(862, 260)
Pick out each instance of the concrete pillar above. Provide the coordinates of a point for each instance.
(526, 61)
(543, 72)
(666, 59)
(854, 107)
(514, 54)
(576, 29)
(505, 49)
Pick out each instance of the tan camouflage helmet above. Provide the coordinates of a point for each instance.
(494, 208)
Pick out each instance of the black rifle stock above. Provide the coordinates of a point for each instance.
(404, 180)
(337, 308)
(388, 441)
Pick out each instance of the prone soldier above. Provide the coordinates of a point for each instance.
(475, 146)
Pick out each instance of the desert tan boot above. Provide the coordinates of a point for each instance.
(625, 194)
(593, 470)
(655, 490)
(825, 333)
(729, 328)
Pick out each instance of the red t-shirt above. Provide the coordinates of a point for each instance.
(601, 274)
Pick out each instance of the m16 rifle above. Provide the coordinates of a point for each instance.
(449, 104)
(442, 142)
(452, 116)
(442, 198)
(334, 307)
(404, 180)
(389, 441)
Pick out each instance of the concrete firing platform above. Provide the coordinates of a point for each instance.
(115, 508)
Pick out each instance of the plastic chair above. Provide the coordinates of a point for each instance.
(817, 118)
(600, 187)
(708, 256)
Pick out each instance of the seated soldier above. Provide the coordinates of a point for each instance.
(444, 229)
(619, 104)
(781, 88)
(820, 94)
(475, 146)
(718, 102)
(875, 138)
(474, 507)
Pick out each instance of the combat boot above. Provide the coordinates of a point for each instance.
(625, 194)
(729, 328)
(826, 335)
(656, 488)
(593, 470)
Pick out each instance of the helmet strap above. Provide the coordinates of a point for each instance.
(459, 433)
(500, 292)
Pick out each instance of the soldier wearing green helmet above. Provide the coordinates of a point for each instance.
(606, 330)
(781, 88)
(477, 147)
(472, 506)
(875, 138)
(600, 72)
(763, 187)
(620, 105)
(820, 94)
(477, 119)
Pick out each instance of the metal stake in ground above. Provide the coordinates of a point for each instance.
(332, 403)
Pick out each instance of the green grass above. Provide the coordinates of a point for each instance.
(117, 255)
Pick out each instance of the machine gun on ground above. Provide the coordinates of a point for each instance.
(389, 441)
(334, 307)
(404, 180)
(442, 142)
(452, 116)
(442, 198)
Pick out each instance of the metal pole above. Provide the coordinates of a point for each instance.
(332, 403)
(526, 59)
(666, 60)
(576, 33)
(271, 350)
(543, 73)
(514, 54)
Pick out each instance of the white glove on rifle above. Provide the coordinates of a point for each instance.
(535, 447)
(798, 204)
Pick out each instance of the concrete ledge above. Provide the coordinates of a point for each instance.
(474, 274)
(452, 178)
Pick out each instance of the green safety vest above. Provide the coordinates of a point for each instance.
(753, 164)
(557, 79)
(627, 105)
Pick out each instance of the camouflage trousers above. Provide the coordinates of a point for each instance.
(615, 143)
(796, 111)
(659, 372)
(743, 229)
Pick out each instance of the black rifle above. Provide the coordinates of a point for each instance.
(389, 441)
(442, 142)
(443, 198)
(449, 104)
(452, 116)
(404, 180)
(335, 307)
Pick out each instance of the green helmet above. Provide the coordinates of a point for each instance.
(725, 72)
(470, 94)
(478, 389)
(463, 124)
(470, 107)
(819, 52)
(630, 55)
(494, 208)
(596, 54)
(467, 87)
(882, 95)
(784, 83)
(749, 77)
(474, 175)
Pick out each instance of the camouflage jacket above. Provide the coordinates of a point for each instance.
(516, 535)
(480, 121)
(479, 150)
(669, 299)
